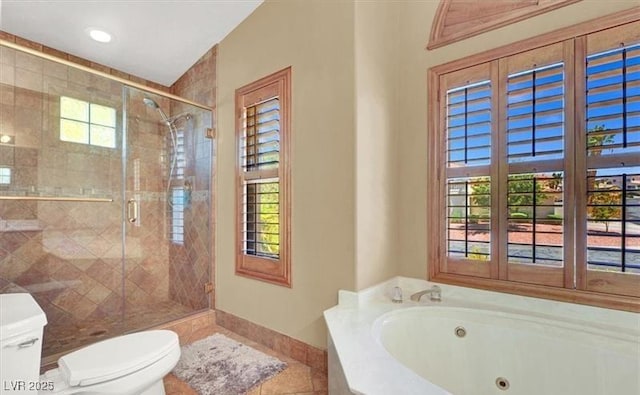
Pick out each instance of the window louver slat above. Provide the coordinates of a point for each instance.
(262, 127)
(535, 211)
(468, 218)
(613, 101)
(262, 150)
(259, 234)
(535, 114)
(469, 125)
(599, 88)
(270, 135)
(261, 213)
(261, 141)
(613, 223)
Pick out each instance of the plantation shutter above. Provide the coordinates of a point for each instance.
(534, 174)
(610, 178)
(260, 162)
(468, 105)
(262, 205)
(534, 107)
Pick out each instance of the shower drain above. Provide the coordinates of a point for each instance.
(502, 383)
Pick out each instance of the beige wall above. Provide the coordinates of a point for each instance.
(414, 28)
(316, 39)
(376, 90)
(359, 144)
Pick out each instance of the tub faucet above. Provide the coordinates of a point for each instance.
(435, 294)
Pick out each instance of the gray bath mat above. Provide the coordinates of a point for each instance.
(222, 366)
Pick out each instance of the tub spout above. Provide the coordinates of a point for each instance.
(435, 294)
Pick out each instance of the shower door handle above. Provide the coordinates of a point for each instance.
(132, 210)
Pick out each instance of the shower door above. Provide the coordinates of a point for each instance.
(61, 196)
(104, 201)
(167, 228)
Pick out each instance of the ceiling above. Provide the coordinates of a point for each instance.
(155, 40)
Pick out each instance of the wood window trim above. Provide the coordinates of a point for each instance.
(436, 194)
(275, 271)
(587, 27)
(482, 17)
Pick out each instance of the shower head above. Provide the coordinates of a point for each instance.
(152, 104)
(184, 115)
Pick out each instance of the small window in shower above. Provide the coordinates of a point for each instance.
(177, 215)
(5, 175)
(87, 123)
(179, 155)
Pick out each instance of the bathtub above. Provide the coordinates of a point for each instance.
(497, 344)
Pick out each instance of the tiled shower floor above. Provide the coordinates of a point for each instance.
(63, 336)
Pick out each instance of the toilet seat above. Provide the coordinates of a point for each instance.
(116, 357)
(127, 365)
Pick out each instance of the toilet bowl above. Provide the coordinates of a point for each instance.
(126, 365)
(132, 364)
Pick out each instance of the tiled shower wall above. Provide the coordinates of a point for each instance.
(68, 255)
(187, 281)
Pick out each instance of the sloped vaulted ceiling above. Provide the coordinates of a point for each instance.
(456, 20)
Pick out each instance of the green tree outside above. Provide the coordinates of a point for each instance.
(521, 187)
(599, 140)
(599, 199)
(268, 218)
(605, 205)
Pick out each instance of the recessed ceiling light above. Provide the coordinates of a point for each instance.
(99, 35)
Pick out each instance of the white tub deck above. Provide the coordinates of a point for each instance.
(362, 322)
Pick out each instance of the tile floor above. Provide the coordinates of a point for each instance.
(64, 335)
(297, 379)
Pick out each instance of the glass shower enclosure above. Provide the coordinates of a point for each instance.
(105, 200)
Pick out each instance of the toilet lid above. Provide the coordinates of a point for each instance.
(116, 357)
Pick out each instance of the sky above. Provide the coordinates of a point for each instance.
(604, 109)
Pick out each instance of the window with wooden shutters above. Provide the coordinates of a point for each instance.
(609, 159)
(262, 208)
(536, 166)
(535, 107)
(468, 102)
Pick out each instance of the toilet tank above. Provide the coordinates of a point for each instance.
(21, 325)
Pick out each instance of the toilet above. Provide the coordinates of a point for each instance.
(132, 364)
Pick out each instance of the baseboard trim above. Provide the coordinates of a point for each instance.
(302, 352)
